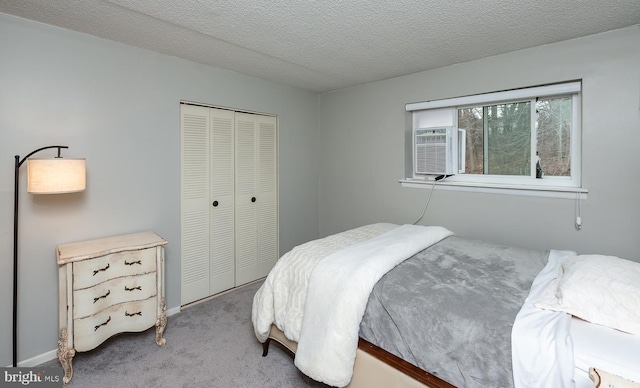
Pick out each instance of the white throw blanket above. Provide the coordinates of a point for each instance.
(281, 298)
(542, 350)
(337, 294)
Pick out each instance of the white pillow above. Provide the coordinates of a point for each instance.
(599, 289)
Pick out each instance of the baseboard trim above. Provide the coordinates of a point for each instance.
(173, 311)
(210, 297)
(37, 360)
(52, 354)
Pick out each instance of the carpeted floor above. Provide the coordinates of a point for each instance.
(210, 344)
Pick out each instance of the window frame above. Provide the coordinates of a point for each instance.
(532, 94)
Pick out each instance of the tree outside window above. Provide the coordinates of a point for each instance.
(499, 137)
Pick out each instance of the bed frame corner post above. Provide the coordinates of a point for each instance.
(265, 347)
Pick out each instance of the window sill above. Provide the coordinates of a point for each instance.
(507, 189)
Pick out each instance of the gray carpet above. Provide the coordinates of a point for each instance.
(210, 344)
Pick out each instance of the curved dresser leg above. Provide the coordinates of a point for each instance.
(65, 356)
(265, 347)
(161, 324)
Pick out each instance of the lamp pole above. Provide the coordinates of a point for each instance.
(15, 246)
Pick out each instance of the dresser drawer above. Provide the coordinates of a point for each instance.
(135, 316)
(88, 301)
(87, 273)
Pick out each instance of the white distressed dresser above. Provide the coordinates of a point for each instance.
(109, 286)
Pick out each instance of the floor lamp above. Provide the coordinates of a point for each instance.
(44, 176)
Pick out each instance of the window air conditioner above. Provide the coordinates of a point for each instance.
(439, 151)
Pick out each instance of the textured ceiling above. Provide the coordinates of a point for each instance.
(323, 45)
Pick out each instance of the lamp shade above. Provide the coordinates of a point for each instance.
(56, 176)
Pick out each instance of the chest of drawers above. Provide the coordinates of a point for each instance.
(109, 286)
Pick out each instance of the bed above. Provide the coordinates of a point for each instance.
(405, 305)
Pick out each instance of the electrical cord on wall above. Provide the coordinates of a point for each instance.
(578, 224)
(424, 210)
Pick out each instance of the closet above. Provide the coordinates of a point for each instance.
(229, 196)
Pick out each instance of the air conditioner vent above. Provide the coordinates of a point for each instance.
(436, 151)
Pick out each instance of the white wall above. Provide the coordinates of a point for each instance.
(118, 107)
(363, 153)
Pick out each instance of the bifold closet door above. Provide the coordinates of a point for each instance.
(229, 199)
(222, 202)
(256, 196)
(194, 125)
(207, 261)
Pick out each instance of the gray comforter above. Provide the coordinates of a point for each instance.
(449, 309)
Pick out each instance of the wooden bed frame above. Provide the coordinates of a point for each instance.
(374, 367)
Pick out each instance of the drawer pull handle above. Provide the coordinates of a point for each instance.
(103, 296)
(95, 272)
(132, 263)
(132, 314)
(102, 324)
(139, 288)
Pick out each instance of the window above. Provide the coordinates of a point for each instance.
(519, 138)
